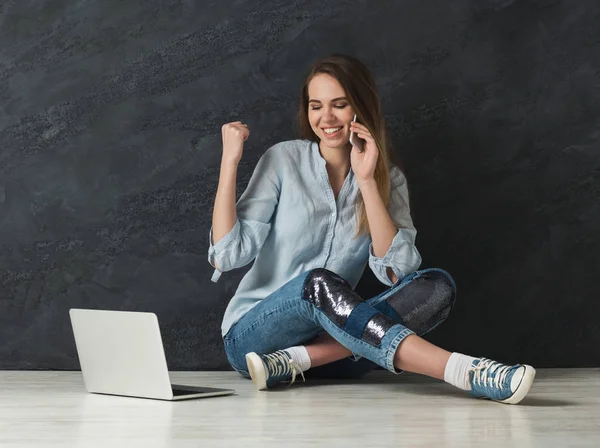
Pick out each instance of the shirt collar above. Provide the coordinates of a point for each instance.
(319, 158)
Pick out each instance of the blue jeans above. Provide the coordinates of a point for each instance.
(319, 300)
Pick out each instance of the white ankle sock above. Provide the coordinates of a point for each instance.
(300, 356)
(457, 370)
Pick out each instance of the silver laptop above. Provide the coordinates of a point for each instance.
(121, 353)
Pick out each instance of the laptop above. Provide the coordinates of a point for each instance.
(121, 353)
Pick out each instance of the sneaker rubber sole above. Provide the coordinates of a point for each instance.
(257, 371)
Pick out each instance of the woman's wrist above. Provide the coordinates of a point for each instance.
(366, 183)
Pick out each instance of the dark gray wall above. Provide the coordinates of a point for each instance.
(110, 140)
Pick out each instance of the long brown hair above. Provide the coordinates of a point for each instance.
(361, 91)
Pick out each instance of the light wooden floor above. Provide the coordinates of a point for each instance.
(53, 409)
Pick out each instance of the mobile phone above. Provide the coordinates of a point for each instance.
(355, 140)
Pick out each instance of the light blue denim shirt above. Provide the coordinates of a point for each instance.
(289, 221)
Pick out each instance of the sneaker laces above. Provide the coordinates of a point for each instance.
(490, 372)
(276, 362)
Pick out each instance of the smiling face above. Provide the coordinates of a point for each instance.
(328, 108)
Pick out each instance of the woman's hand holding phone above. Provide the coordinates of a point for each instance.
(363, 162)
(355, 140)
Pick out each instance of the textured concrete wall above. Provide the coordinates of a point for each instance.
(110, 122)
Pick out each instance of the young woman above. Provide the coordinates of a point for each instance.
(315, 213)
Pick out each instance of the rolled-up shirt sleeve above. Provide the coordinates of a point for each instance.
(254, 211)
(402, 256)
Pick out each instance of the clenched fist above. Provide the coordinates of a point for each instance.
(234, 136)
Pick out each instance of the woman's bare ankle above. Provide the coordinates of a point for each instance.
(415, 354)
(324, 349)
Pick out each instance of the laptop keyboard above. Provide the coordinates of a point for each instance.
(179, 389)
(179, 392)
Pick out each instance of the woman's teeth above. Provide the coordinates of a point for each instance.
(331, 130)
